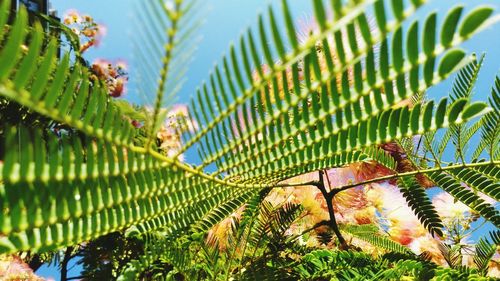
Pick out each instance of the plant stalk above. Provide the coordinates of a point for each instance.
(331, 212)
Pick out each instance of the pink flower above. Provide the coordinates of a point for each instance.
(114, 75)
(121, 65)
(117, 89)
(169, 135)
(403, 226)
(136, 124)
(71, 17)
(89, 32)
(13, 268)
(429, 245)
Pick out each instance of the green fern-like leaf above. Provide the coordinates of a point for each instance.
(290, 123)
(69, 98)
(421, 205)
(370, 234)
(452, 254)
(222, 211)
(490, 133)
(322, 102)
(163, 46)
(466, 196)
(477, 181)
(484, 251)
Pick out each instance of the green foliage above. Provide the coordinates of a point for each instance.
(253, 239)
(325, 101)
(419, 201)
(490, 133)
(484, 251)
(478, 182)
(323, 264)
(468, 197)
(105, 257)
(477, 179)
(370, 234)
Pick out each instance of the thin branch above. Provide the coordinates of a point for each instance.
(328, 181)
(319, 224)
(35, 261)
(429, 146)
(331, 212)
(76, 277)
(313, 183)
(398, 175)
(64, 263)
(167, 59)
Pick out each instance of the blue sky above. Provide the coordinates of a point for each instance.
(225, 20)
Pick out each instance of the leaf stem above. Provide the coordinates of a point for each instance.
(164, 73)
(396, 175)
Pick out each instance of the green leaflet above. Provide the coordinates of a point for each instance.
(475, 109)
(450, 25)
(26, 68)
(450, 61)
(474, 20)
(429, 40)
(11, 51)
(4, 16)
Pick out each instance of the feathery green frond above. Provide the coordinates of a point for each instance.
(272, 222)
(326, 101)
(477, 181)
(381, 156)
(250, 52)
(452, 254)
(484, 251)
(158, 249)
(317, 115)
(222, 211)
(212, 197)
(58, 89)
(490, 132)
(370, 234)
(112, 188)
(462, 89)
(419, 202)
(164, 30)
(466, 79)
(466, 196)
(491, 171)
(495, 237)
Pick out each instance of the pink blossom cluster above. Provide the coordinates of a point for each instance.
(169, 135)
(89, 32)
(114, 74)
(12, 268)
